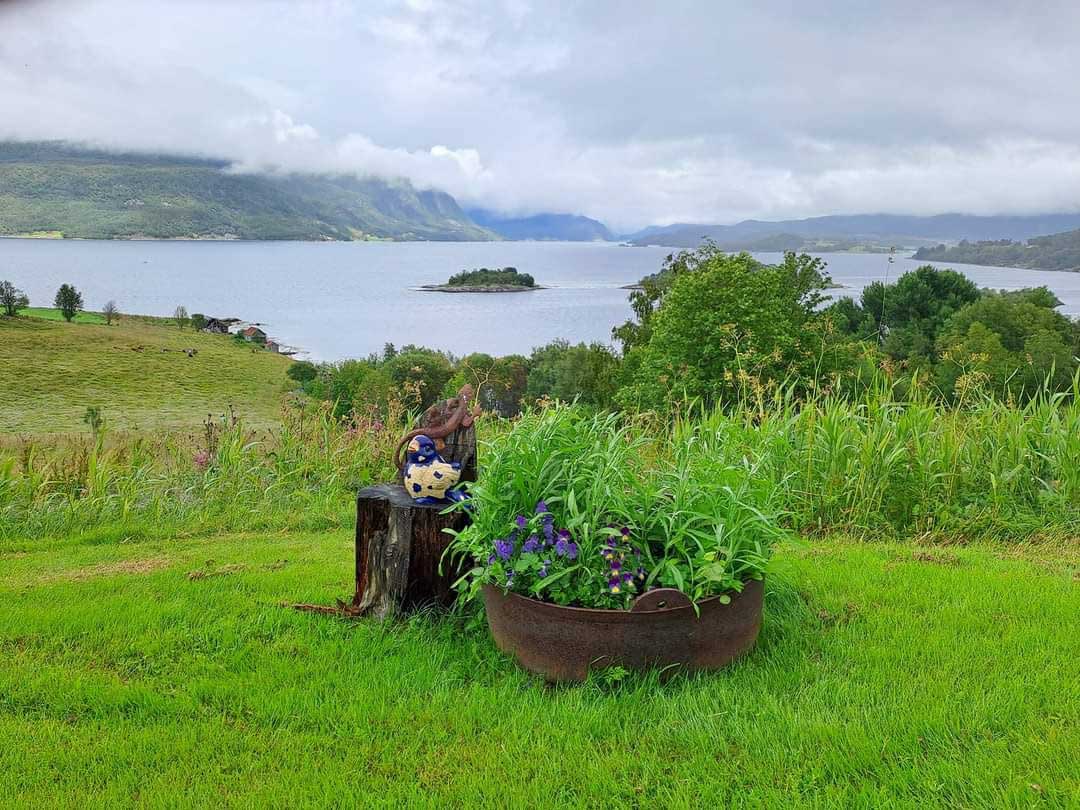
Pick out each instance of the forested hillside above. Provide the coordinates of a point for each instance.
(87, 194)
(1060, 251)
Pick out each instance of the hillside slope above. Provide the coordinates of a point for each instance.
(63, 368)
(561, 227)
(1059, 251)
(877, 228)
(90, 194)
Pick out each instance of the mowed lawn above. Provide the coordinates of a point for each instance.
(168, 674)
(135, 371)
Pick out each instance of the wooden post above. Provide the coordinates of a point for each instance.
(399, 548)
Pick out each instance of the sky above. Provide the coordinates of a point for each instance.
(634, 113)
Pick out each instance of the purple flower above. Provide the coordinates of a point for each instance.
(627, 578)
(549, 530)
(541, 507)
(571, 551)
(491, 559)
(509, 578)
(616, 565)
(504, 548)
(614, 585)
(641, 574)
(532, 544)
(521, 521)
(611, 542)
(544, 568)
(625, 533)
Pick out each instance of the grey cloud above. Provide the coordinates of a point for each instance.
(629, 112)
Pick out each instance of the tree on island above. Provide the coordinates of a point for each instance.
(111, 312)
(505, 276)
(69, 301)
(12, 299)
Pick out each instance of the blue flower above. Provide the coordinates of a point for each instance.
(509, 578)
(544, 568)
(504, 548)
(491, 560)
(532, 544)
(571, 551)
(521, 521)
(541, 507)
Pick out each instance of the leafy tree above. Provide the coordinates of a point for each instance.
(198, 321)
(180, 315)
(11, 299)
(1010, 344)
(301, 371)
(563, 371)
(650, 292)
(726, 325)
(111, 312)
(909, 314)
(69, 301)
(419, 374)
(499, 382)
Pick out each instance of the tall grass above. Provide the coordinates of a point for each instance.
(875, 467)
(300, 475)
(878, 467)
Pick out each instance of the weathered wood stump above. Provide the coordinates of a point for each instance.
(399, 548)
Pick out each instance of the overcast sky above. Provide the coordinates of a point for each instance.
(634, 113)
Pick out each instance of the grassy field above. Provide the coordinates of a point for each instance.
(136, 372)
(168, 674)
(51, 314)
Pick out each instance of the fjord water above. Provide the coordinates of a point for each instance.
(335, 300)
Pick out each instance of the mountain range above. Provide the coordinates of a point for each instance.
(558, 227)
(876, 229)
(81, 193)
(59, 189)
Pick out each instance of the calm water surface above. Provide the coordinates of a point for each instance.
(346, 299)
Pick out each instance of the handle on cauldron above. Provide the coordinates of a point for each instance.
(660, 598)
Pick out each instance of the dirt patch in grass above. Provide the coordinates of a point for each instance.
(935, 556)
(221, 571)
(120, 567)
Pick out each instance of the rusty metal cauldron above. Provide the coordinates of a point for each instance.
(660, 630)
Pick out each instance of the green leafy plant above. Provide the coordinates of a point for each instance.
(584, 510)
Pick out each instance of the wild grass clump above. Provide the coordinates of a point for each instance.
(303, 474)
(879, 467)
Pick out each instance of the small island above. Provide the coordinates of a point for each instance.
(504, 279)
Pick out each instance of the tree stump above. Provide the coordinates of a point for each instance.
(399, 548)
